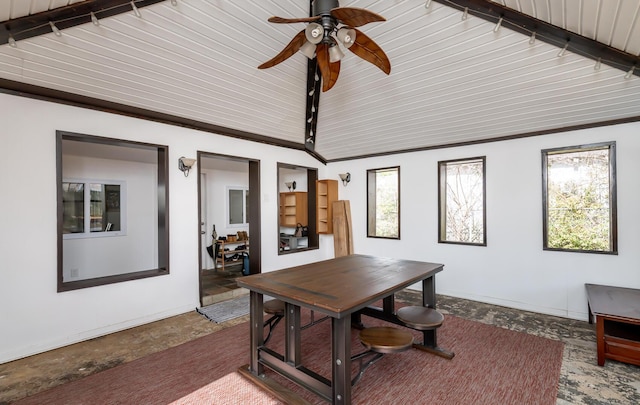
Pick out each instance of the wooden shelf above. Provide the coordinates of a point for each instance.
(221, 259)
(294, 209)
(326, 194)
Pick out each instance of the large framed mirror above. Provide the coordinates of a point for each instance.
(296, 208)
(112, 210)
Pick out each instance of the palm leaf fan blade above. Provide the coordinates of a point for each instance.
(328, 70)
(288, 50)
(355, 17)
(367, 49)
(282, 20)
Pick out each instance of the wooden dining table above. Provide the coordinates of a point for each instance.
(343, 288)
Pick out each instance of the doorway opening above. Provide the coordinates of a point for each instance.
(229, 218)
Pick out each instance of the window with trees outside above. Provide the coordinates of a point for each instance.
(383, 203)
(579, 198)
(462, 203)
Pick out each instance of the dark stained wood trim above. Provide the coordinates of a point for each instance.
(313, 105)
(313, 101)
(163, 213)
(317, 156)
(65, 17)
(495, 139)
(255, 217)
(61, 97)
(548, 33)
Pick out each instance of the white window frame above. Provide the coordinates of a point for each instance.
(87, 209)
(244, 190)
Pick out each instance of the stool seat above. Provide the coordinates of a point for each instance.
(420, 318)
(385, 339)
(274, 307)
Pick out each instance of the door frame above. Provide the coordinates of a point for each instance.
(254, 209)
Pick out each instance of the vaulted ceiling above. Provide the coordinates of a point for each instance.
(454, 80)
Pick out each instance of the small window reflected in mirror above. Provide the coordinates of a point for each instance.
(237, 203)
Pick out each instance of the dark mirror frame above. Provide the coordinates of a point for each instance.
(312, 177)
(163, 212)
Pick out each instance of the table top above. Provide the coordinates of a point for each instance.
(340, 286)
(614, 301)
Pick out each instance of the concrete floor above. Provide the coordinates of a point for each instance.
(582, 381)
(220, 285)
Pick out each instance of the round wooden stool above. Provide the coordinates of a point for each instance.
(379, 341)
(384, 339)
(275, 308)
(420, 318)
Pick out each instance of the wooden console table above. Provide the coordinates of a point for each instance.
(617, 315)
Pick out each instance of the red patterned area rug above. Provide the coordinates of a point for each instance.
(491, 366)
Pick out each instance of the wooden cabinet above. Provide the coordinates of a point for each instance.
(326, 194)
(294, 209)
(616, 312)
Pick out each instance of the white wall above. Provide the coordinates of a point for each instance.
(512, 270)
(34, 317)
(137, 245)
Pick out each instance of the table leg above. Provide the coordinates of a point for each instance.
(430, 337)
(256, 331)
(292, 336)
(600, 339)
(429, 300)
(341, 357)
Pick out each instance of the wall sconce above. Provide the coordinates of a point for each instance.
(290, 184)
(185, 164)
(345, 177)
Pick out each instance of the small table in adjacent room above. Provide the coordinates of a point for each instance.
(617, 315)
(338, 288)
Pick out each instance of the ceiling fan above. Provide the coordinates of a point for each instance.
(331, 28)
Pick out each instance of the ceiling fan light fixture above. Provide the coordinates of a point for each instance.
(314, 33)
(347, 36)
(308, 49)
(335, 53)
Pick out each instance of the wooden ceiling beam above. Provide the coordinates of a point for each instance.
(548, 33)
(65, 17)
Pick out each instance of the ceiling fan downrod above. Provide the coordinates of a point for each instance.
(322, 9)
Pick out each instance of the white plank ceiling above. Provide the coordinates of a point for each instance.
(452, 80)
